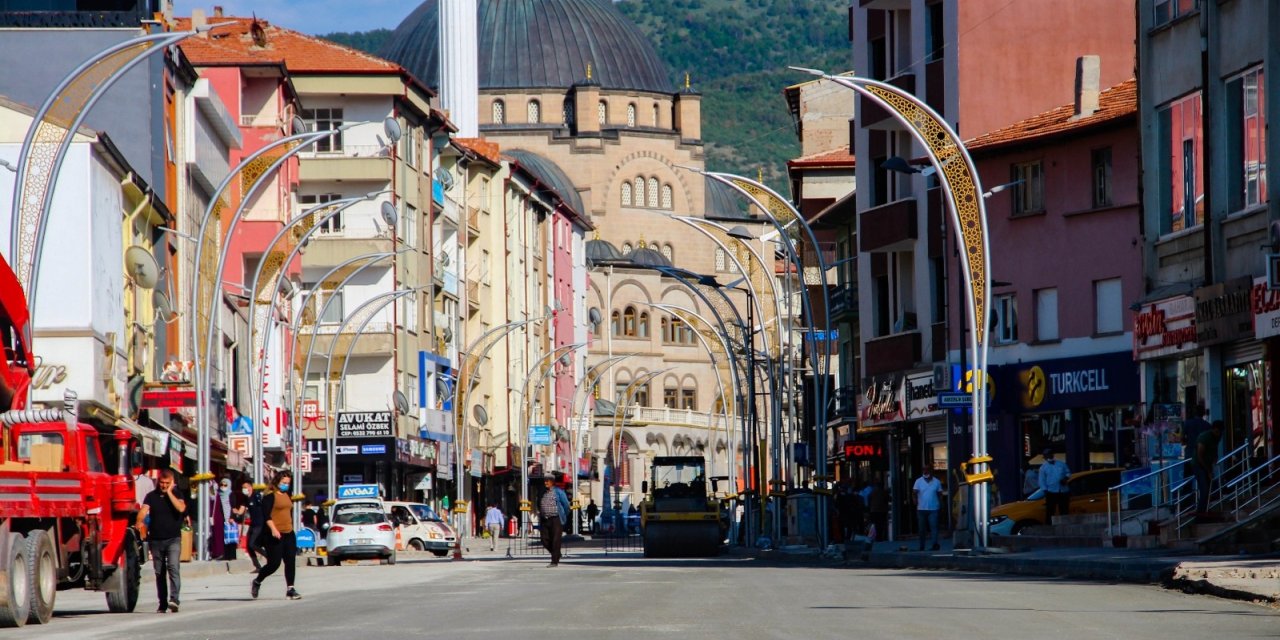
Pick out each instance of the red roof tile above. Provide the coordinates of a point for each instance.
(481, 147)
(837, 158)
(1118, 102)
(231, 42)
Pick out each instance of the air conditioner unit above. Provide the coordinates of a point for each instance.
(941, 377)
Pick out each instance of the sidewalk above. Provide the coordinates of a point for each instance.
(1247, 577)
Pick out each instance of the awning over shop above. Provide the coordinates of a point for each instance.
(154, 443)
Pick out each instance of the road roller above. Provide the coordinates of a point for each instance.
(678, 517)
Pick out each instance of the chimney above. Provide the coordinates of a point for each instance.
(198, 21)
(217, 11)
(1087, 78)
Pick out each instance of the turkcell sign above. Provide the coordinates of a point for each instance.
(540, 434)
(352, 491)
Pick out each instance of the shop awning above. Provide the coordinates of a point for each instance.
(153, 444)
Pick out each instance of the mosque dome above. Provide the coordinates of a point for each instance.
(538, 44)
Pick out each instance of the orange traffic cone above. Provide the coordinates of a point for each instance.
(399, 538)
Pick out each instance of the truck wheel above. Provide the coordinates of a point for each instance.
(391, 559)
(416, 545)
(124, 597)
(42, 577)
(15, 608)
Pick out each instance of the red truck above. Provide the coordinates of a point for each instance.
(66, 510)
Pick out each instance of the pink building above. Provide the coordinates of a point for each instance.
(1066, 263)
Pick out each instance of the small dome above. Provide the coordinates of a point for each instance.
(537, 44)
(550, 174)
(723, 202)
(602, 252)
(646, 257)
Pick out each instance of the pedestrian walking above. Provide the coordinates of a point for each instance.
(1053, 479)
(553, 512)
(161, 519)
(1195, 425)
(1206, 456)
(278, 537)
(592, 512)
(493, 520)
(254, 523)
(927, 489)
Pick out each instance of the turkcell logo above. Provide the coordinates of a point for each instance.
(349, 491)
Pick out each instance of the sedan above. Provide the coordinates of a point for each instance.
(359, 530)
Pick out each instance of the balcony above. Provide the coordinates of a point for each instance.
(353, 163)
(473, 222)
(888, 227)
(871, 115)
(376, 340)
(844, 301)
(473, 295)
(675, 417)
(334, 248)
(896, 352)
(844, 405)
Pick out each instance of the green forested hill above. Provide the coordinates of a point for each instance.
(736, 52)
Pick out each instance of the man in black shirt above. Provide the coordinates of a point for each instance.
(161, 518)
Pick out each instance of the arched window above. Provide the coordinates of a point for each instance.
(666, 196)
(615, 326)
(689, 398)
(643, 331)
(566, 112)
(602, 113)
(631, 115)
(671, 397)
(639, 191)
(626, 194)
(629, 322)
(721, 260)
(667, 252)
(653, 192)
(666, 331)
(655, 114)
(626, 248)
(535, 112)
(499, 112)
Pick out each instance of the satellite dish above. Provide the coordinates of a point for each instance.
(444, 177)
(480, 415)
(594, 315)
(447, 334)
(389, 215)
(141, 267)
(444, 259)
(565, 360)
(392, 129)
(402, 403)
(161, 302)
(299, 125)
(442, 387)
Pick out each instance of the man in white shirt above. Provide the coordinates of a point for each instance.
(927, 489)
(493, 519)
(1053, 479)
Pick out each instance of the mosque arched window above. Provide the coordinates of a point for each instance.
(653, 192)
(629, 322)
(642, 329)
(639, 191)
(668, 252)
(626, 194)
(666, 196)
(499, 112)
(535, 112)
(656, 111)
(631, 115)
(602, 113)
(626, 248)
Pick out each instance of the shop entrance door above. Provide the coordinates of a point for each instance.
(1244, 388)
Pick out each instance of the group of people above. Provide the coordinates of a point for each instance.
(263, 518)
(862, 510)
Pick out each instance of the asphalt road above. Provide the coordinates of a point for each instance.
(598, 597)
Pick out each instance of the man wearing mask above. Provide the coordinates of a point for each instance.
(161, 519)
(927, 489)
(1053, 479)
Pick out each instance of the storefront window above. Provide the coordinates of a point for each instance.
(1178, 381)
(1245, 410)
(1043, 431)
(1109, 436)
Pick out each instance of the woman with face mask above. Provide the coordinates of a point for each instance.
(278, 537)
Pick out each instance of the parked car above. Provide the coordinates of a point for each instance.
(1088, 495)
(359, 529)
(422, 529)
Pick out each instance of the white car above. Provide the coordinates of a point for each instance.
(359, 529)
(421, 528)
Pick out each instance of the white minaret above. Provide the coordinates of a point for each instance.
(459, 65)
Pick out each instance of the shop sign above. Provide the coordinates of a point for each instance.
(415, 452)
(356, 491)
(881, 401)
(444, 457)
(48, 375)
(1224, 312)
(922, 397)
(317, 446)
(1265, 302)
(364, 424)
(167, 398)
(304, 462)
(864, 450)
(1074, 383)
(239, 443)
(477, 462)
(1164, 328)
(346, 450)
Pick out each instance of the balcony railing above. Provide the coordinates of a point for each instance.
(372, 327)
(667, 415)
(473, 220)
(253, 120)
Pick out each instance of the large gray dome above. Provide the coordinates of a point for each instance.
(534, 44)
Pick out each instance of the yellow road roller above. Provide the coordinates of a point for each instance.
(678, 517)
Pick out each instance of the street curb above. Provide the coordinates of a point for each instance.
(1146, 572)
(1204, 587)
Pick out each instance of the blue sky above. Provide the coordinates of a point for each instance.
(311, 16)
